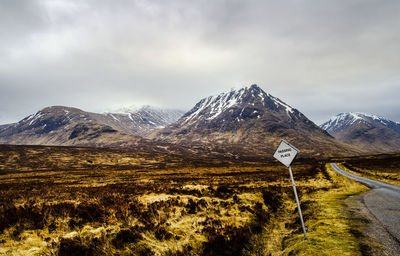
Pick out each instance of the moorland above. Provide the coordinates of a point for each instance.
(86, 201)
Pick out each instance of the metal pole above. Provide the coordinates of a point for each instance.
(298, 203)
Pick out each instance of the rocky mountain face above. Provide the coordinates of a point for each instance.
(249, 122)
(66, 126)
(374, 133)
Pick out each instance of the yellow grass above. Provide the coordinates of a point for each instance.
(111, 206)
(328, 229)
(381, 175)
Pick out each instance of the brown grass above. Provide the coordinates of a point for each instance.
(384, 167)
(59, 201)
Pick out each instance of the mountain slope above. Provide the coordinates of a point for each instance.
(368, 131)
(66, 126)
(249, 122)
(52, 125)
(4, 126)
(60, 126)
(140, 122)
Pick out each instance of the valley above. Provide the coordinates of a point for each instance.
(199, 128)
(59, 200)
(149, 181)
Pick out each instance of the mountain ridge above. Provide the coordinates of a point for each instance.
(241, 123)
(247, 121)
(68, 126)
(368, 131)
(141, 121)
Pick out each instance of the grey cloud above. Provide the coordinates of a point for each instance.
(18, 20)
(319, 56)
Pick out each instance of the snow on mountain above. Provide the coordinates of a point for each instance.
(140, 121)
(246, 121)
(212, 107)
(125, 110)
(59, 125)
(216, 104)
(49, 126)
(344, 120)
(161, 116)
(241, 122)
(365, 130)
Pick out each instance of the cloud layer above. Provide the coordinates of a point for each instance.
(322, 57)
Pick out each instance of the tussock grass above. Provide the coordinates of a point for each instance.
(329, 226)
(120, 203)
(388, 176)
(54, 203)
(383, 167)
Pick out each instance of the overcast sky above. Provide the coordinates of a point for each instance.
(321, 57)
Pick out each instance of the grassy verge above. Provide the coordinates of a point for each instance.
(331, 231)
(390, 177)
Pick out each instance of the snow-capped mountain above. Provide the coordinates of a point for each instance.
(59, 125)
(213, 107)
(156, 116)
(140, 121)
(248, 121)
(345, 120)
(369, 131)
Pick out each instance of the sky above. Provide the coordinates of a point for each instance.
(322, 57)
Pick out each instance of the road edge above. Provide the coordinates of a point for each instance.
(373, 237)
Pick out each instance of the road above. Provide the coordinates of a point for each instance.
(383, 201)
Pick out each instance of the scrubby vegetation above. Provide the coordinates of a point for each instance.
(385, 167)
(332, 228)
(99, 202)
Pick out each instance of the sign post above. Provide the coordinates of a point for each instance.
(285, 154)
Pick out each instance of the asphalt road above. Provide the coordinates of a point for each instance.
(383, 201)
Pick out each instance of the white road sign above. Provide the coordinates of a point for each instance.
(285, 153)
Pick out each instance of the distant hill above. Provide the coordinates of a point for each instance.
(66, 126)
(245, 123)
(140, 122)
(249, 122)
(374, 133)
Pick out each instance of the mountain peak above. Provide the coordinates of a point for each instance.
(344, 120)
(246, 120)
(254, 87)
(250, 98)
(365, 130)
